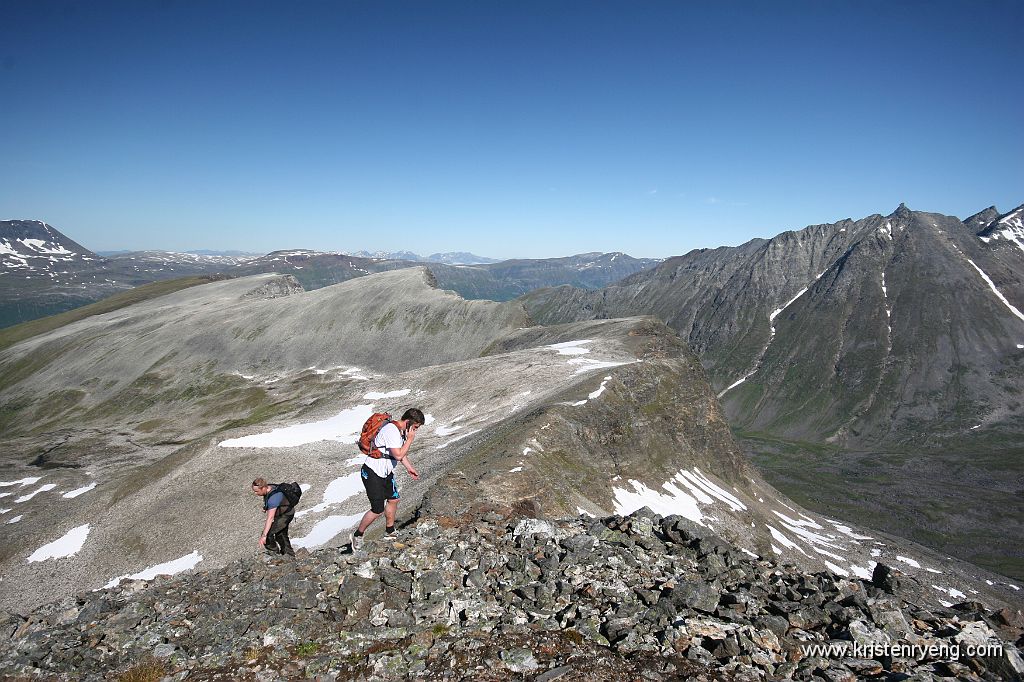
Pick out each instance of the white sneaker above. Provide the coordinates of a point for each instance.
(356, 540)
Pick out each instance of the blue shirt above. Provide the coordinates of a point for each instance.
(275, 499)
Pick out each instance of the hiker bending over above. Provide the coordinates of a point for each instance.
(279, 502)
(390, 445)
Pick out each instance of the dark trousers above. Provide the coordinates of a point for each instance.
(277, 537)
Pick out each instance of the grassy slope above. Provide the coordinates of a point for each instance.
(26, 330)
(929, 498)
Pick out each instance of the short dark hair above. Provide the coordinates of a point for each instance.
(415, 415)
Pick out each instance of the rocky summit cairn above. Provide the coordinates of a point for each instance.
(496, 595)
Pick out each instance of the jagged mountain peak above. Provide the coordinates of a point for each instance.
(982, 219)
(1008, 227)
(848, 335)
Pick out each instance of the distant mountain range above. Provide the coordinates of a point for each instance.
(43, 272)
(868, 363)
(452, 258)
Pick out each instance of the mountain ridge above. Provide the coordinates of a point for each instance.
(36, 290)
(847, 345)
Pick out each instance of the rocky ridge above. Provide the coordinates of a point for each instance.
(496, 593)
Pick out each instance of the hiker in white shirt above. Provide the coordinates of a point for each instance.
(392, 441)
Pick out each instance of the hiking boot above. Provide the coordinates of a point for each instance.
(389, 537)
(356, 541)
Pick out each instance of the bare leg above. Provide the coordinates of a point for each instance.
(368, 518)
(390, 510)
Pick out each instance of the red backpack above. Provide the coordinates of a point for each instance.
(370, 430)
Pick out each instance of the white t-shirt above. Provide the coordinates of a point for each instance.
(387, 439)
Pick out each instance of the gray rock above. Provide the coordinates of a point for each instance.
(697, 596)
(519, 660)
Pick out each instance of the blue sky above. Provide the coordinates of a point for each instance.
(509, 129)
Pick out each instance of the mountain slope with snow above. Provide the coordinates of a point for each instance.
(131, 437)
(884, 354)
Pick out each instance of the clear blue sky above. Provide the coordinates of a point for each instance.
(510, 129)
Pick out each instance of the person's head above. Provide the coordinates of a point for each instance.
(260, 486)
(413, 418)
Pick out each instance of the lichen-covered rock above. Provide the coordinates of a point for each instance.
(496, 595)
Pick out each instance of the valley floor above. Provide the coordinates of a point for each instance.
(929, 498)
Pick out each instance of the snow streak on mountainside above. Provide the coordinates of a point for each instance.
(898, 334)
(910, 296)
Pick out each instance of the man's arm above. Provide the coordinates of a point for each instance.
(410, 468)
(399, 453)
(266, 528)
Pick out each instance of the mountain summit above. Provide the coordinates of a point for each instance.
(892, 345)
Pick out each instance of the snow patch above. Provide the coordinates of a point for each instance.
(172, 567)
(838, 570)
(908, 561)
(22, 482)
(391, 394)
(675, 501)
(586, 364)
(862, 572)
(79, 491)
(327, 529)
(571, 347)
(594, 394)
(64, 546)
(714, 490)
(41, 489)
(342, 428)
(784, 541)
(847, 531)
(337, 491)
(467, 434)
(996, 291)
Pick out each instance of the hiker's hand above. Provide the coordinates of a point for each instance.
(412, 472)
(263, 541)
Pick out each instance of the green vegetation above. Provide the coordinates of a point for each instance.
(149, 425)
(905, 493)
(307, 649)
(384, 320)
(57, 403)
(26, 330)
(9, 412)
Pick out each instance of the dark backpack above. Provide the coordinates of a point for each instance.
(292, 493)
(371, 428)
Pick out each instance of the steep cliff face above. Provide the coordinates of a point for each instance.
(893, 327)
(885, 354)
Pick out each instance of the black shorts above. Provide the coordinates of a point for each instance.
(378, 489)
